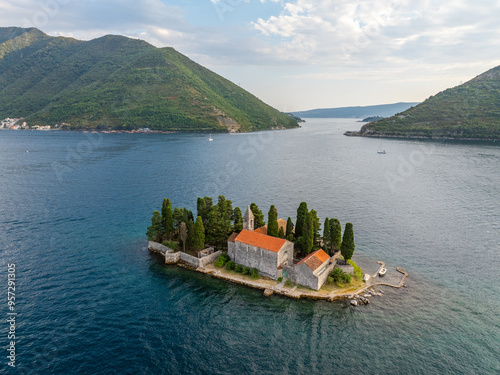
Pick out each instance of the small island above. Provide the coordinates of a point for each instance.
(279, 257)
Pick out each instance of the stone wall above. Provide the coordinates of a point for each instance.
(303, 275)
(254, 257)
(199, 262)
(158, 247)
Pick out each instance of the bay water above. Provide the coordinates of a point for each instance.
(91, 299)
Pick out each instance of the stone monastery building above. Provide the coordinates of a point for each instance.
(273, 256)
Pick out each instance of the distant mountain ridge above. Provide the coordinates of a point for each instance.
(468, 111)
(120, 83)
(382, 110)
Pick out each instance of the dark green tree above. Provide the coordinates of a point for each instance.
(219, 223)
(289, 229)
(237, 219)
(167, 220)
(347, 246)
(199, 234)
(307, 234)
(258, 216)
(316, 229)
(327, 243)
(155, 231)
(203, 206)
(281, 233)
(272, 224)
(301, 216)
(335, 235)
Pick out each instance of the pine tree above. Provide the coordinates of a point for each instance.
(335, 235)
(203, 207)
(167, 219)
(272, 225)
(155, 229)
(347, 246)
(289, 229)
(258, 216)
(308, 234)
(301, 215)
(199, 234)
(326, 237)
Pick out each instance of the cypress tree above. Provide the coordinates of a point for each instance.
(289, 229)
(238, 220)
(326, 237)
(281, 233)
(301, 215)
(347, 246)
(316, 228)
(199, 234)
(307, 234)
(258, 216)
(272, 224)
(167, 218)
(155, 229)
(335, 235)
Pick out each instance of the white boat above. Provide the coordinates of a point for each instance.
(381, 152)
(366, 277)
(210, 139)
(382, 272)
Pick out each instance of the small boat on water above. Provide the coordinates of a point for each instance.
(381, 152)
(210, 139)
(366, 277)
(382, 272)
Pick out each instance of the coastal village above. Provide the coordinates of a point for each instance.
(254, 257)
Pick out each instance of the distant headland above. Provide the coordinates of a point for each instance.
(279, 257)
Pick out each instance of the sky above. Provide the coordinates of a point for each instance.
(298, 54)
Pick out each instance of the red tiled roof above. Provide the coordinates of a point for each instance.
(315, 259)
(260, 240)
(232, 237)
(261, 230)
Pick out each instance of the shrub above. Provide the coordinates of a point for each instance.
(280, 279)
(330, 279)
(346, 278)
(238, 268)
(358, 272)
(171, 245)
(288, 283)
(246, 270)
(223, 259)
(230, 265)
(336, 275)
(254, 273)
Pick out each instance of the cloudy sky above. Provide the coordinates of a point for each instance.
(298, 54)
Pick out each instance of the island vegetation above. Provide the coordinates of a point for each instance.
(178, 229)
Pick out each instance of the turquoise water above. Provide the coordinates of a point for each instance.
(92, 300)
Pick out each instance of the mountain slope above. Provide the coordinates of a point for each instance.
(383, 110)
(468, 111)
(121, 83)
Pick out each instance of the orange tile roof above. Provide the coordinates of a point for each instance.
(261, 230)
(232, 237)
(315, 259)
(260, 240)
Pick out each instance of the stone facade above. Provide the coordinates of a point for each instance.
(248, 220)
(312, 271)
(260, 251)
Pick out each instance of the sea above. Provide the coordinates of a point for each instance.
(91, 299)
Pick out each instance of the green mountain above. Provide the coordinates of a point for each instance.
(468, 111)
(120, 83)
